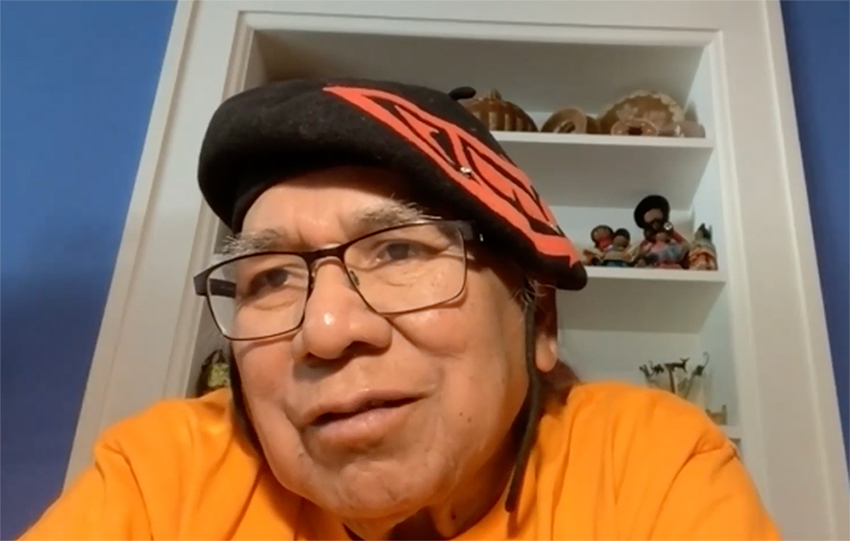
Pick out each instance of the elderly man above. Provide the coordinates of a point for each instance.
(388, 296)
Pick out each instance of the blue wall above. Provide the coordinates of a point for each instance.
(816, 34)
(78, 82)
(75, 104)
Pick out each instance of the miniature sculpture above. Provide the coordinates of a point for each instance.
(496, 113)
(702, 254)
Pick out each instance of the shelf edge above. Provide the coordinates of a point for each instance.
(511, 137)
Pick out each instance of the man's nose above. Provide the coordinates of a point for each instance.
(336, 318)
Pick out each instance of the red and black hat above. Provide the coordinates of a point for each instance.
(262, 136)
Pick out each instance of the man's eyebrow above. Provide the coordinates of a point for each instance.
(248, 243)
(389, 215)
(363, 222)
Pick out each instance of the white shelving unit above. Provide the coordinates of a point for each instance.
(760, 318)
(642, 300)
(609, 171)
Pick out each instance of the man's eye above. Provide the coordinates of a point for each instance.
(267, 280)
(399, 250)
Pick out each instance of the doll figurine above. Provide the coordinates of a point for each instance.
(662, 245)
(652, 214)
(702, 254)
(603, 237)
(664, 252)
(618, 254)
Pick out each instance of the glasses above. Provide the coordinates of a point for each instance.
(395, 270)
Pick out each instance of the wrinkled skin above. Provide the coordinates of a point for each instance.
(450, 459)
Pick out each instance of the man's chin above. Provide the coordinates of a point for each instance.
(380, 493)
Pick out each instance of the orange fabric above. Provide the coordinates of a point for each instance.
(616, 462)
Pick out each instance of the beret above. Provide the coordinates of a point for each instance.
(262, 136)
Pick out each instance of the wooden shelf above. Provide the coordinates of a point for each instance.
(581, 170)
(642, 300)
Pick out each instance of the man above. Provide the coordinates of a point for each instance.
(389, 301)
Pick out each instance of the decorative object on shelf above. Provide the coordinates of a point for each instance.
(693, 388)
(618, 253)
(677, 374)
(675, 378)
(570, 120)
(215, 373)
(655, 376)
(720, 417)
(602, 237)
(663, 252)
(702, 254)
(641, 113)
(686, 128)
(496, 113)
(662, 245)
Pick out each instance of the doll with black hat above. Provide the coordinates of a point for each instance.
(662, 245)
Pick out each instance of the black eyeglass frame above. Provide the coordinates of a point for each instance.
(468, 233)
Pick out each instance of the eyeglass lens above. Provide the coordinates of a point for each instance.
(397, 270)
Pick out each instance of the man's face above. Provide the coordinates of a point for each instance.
(457, 370)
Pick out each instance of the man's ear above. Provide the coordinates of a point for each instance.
(546, 319)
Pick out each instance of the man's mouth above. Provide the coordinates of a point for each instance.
(340, 413)
(361, 420)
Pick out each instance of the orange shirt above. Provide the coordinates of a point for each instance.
(616, 462)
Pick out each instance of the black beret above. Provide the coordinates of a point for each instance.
(260, 137)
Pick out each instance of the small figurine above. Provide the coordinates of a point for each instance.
(603, 237)
(215, 373)
(662, 245)
(654, 374)
(694, 388)
(702, 254)
(618, 254)
(663, 253)
(675, 378)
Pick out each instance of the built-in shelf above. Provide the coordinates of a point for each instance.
(542, 68)
(582, 170)
(642, 300)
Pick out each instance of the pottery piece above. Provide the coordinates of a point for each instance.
(686, 128)
(641, 113)
(570, 120)
(499, 114)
